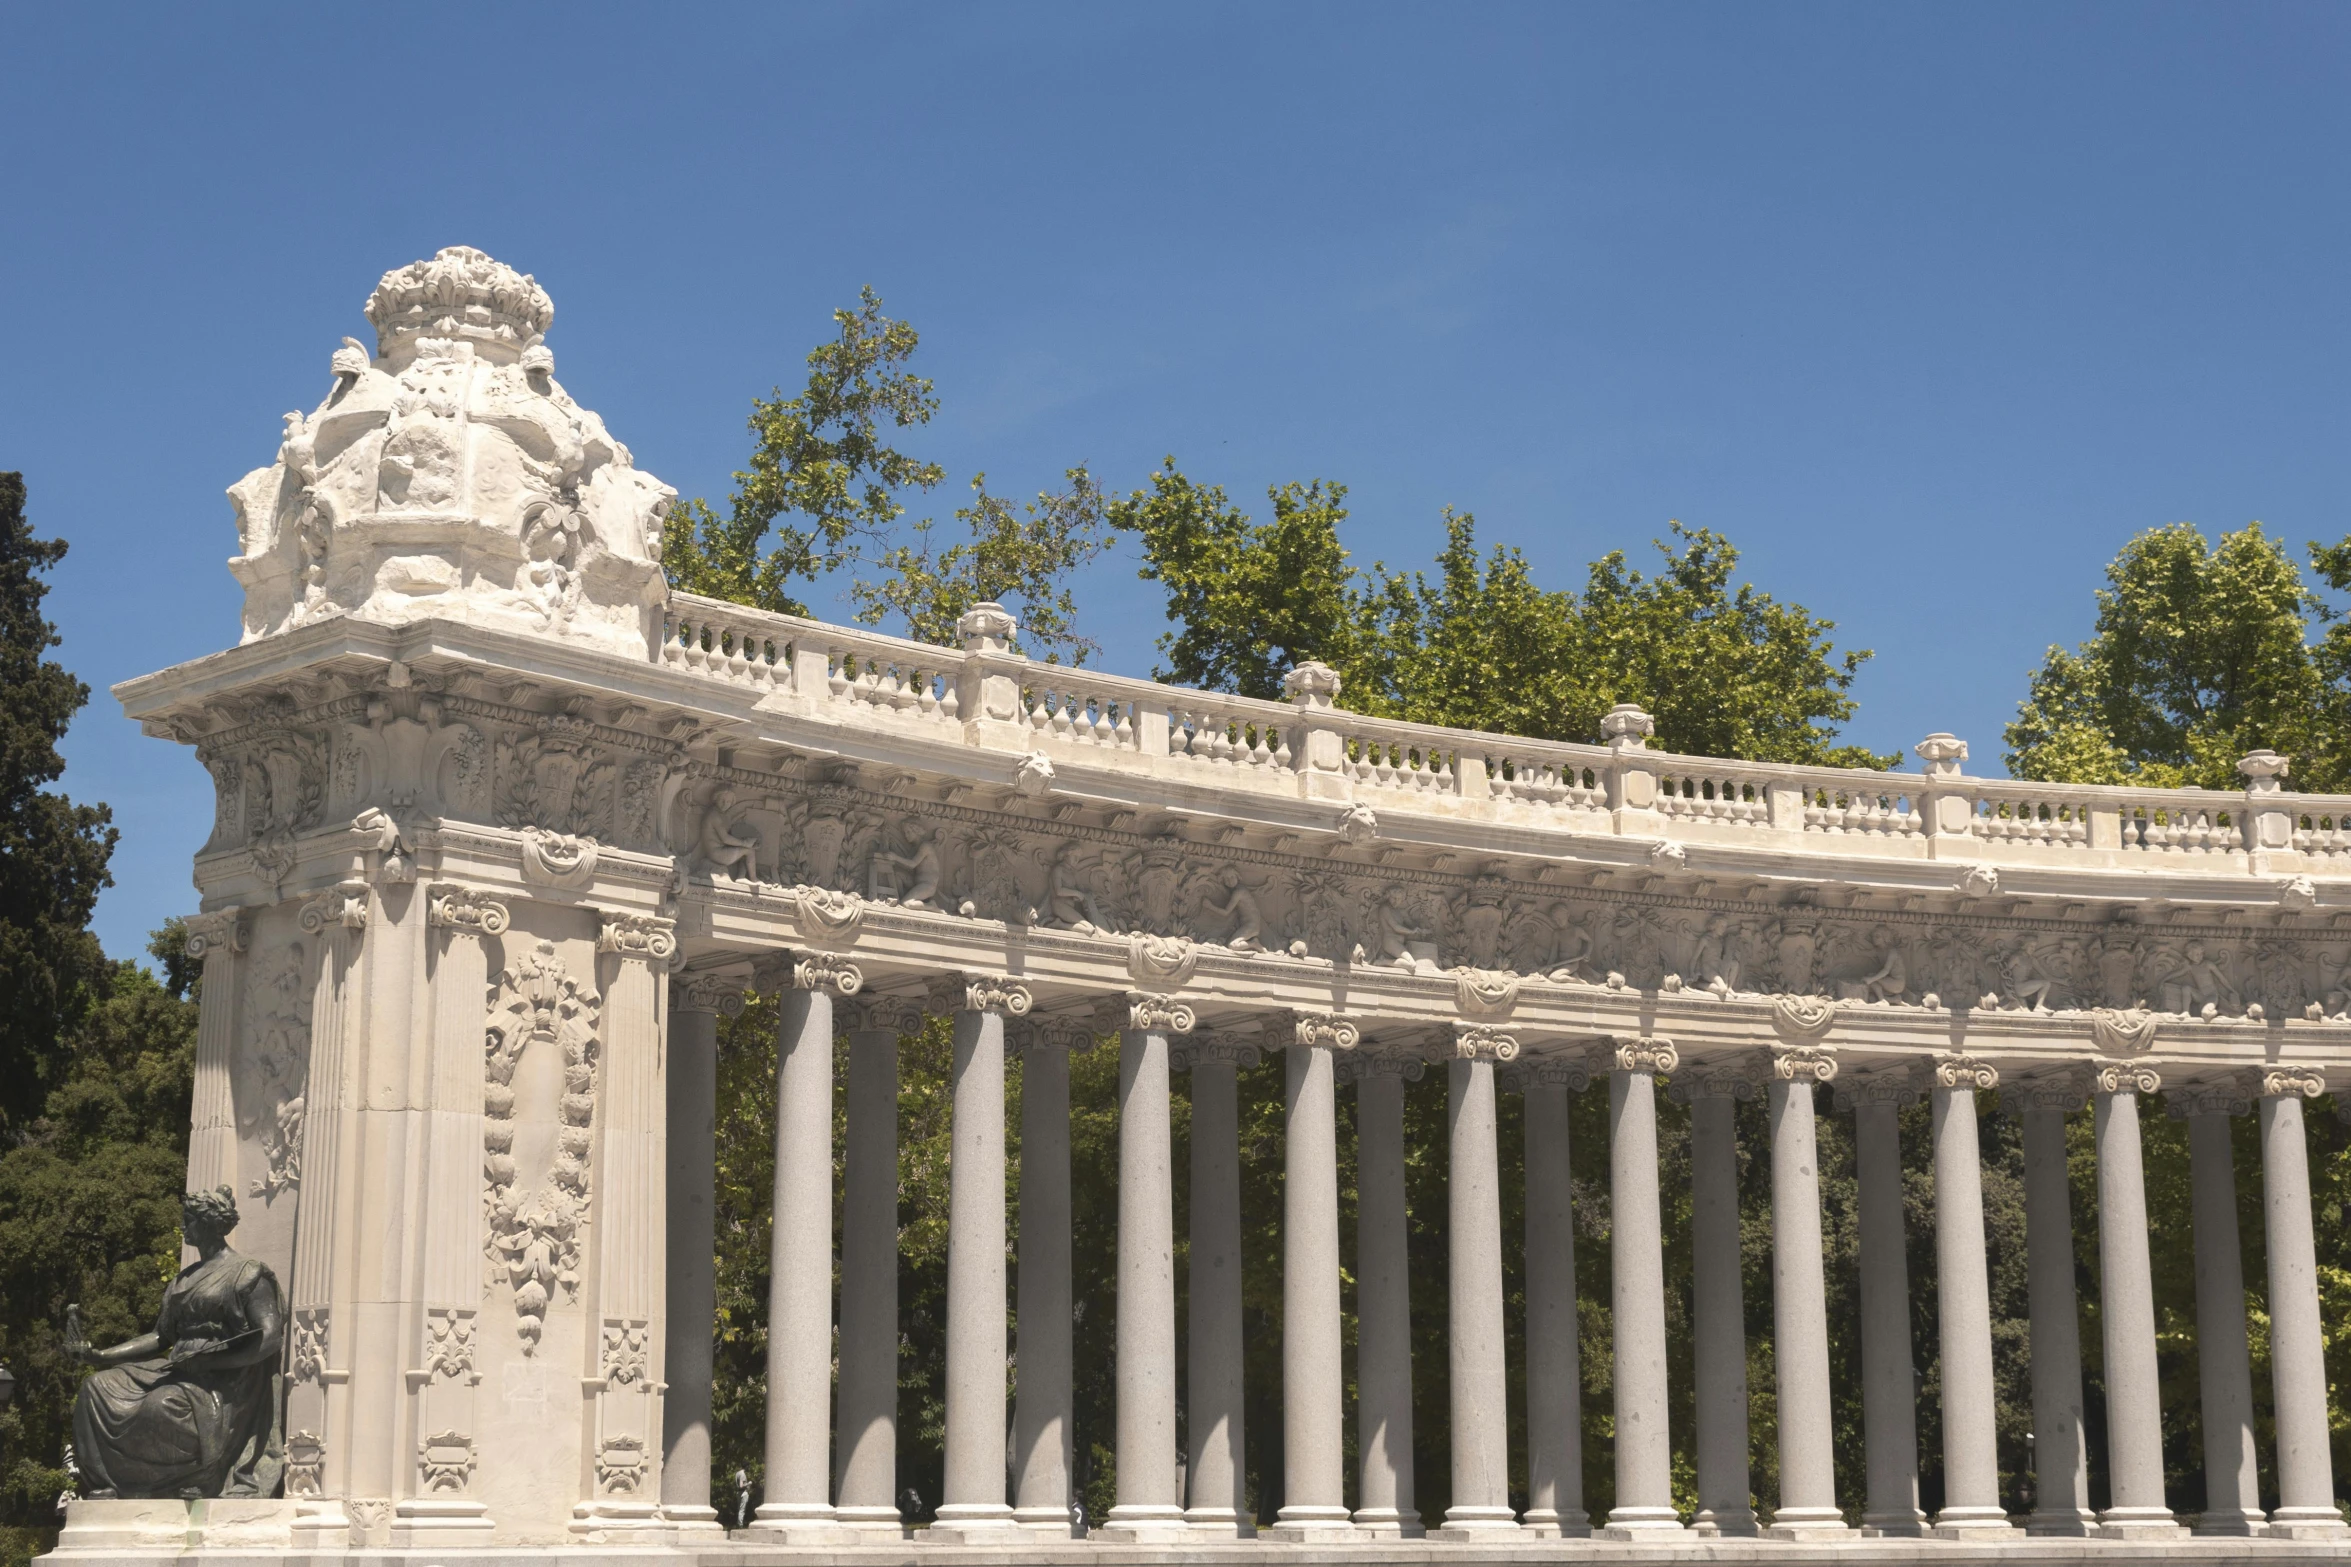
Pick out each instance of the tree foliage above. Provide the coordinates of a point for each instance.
(1726, 670)
(53, 852)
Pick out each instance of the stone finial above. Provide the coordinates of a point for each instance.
(986, 627)
(2263, 770)
(1942, 755)
(463, 294)
(1626, 727)
(1312, 685)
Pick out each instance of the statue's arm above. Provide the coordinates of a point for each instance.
(145, 1347)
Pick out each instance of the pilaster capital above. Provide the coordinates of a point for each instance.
(1482, 1042)
(1216, 1048)
(224, 931)
(343, 904)
(1721, 1077)
(826, 971)
(2280, 1082)
(646, 936)
(997, 993)
(2133, 1077)
(1324, 1031)
(1642, 1053)
(1894, 1087)
(710, 993)
(1152, 1014)
(2229, 1094)
(1804, 1064)
(872, 1014)
(1802, 1021)
(1954, 1070)
(468, 909)
(1569, 1072)
(2064, 1090)
(1356, 1066)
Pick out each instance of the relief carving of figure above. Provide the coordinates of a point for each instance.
(1712, 961)
(1239, 906)
(2196, 982)
(1396, 931)
(722, 849)
(1067, 900)
(911, 878)
(187, 1409)
(2021, 981)
(1573, 957)
(1891, 979)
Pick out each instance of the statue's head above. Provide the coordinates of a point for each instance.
(212, 1213)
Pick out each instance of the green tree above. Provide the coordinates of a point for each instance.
(824, 458)
(53, 852)
(2199, 654)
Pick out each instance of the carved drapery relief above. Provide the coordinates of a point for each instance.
(1164, 961)
(1802, 1020)
(273, 1069)
(537, 1219)
(2122, 1031)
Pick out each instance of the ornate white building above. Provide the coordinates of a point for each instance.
(503, 825)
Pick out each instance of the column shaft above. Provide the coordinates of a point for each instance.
(976, 1316)
(1889, 1387)
(2306, 1479)
(2134, 1405)
(800, 1288)
(1383, 1307)
(1042, 1411)
(1555, 1436)
(2061, 1458)
(1719, 1315)
(867, 1494)
(1963, 1301)
(1215, 1473)
(1147, 1506)
(1800, 1318)
(1644, 1450)
(2232, 1474)
(1480, 1380)
(1313, 1385)
(692, 1283)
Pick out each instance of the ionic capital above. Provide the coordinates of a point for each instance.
(1804, 1064)
(224, 932)
(1722, 1077)
(706, 993)
(1036, 1036)
(468, 909)
(1151, 1014)
(2065, 1091)
(646, 936)
(2280, 1082)
(1482, 1042)
(825, 971)
(996, 993)
(1644, 1053)
(1893, 1087)
(2134, 1077)
(2231, 1094)
(1356, 1066)
(1215, 1049)
(1956, 1071)
(871, 1014)
(1324, 1031)
(343, 904)
(1568, 1072)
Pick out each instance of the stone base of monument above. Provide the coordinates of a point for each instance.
(160, 1524)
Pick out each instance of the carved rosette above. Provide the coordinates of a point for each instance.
(2119, 1032)
(1324, 1031)
(2230, 1095)
(1723, 1077)
(1894, 1086)
(1644, 1053)
(1802, 1020)
(2063, 1091)
(1216, 1049)
(2279, 1082)
(1481, 1042)
(2128, 1078)
(225, 931)
(707, 993)
(343, 904)
(1485, 992)
(1568, 1072)
(464, 908)
(646, 936)
(1804, 1064)
(1964, 1071)
(1150, 1014)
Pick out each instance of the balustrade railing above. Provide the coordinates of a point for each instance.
(1265, 744)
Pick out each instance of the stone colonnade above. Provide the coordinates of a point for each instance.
(830, 1468)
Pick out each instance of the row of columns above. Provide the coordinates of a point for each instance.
(806, 1502)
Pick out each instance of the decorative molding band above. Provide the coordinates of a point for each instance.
(225, 931)
(1646, 1053)
(452, 907)
(2133, 1078)
(2119, 1032)
(1802, 1021)
(2064, 1091)
(1965, 1071)
(2279, 1082)
(1804, 1063)
(706, 993)
(646, 936)
(343, 904)
(1896, 1087)
(1325, 1031)
(1482, 1042)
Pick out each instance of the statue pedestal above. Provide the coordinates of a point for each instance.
(164, 1524)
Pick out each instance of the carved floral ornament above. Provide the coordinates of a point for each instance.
(536, 1220)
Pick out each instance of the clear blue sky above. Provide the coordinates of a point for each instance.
(1928, 308)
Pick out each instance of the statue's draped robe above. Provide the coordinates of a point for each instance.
(150, 1428)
